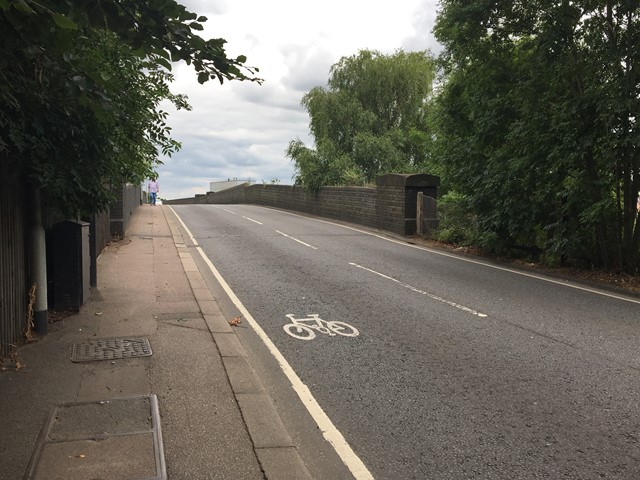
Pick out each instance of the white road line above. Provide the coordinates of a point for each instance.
(422, 292)
(293, 238)
(229, 211)
(564, 283)
(329, 431)
(252, 220)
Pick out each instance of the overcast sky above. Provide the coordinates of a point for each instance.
(241, 129)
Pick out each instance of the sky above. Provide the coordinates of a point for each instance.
(242, 129)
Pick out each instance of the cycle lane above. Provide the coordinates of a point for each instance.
(401, 376)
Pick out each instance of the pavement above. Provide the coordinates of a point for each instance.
(147, 381)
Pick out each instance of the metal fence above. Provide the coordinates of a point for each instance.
(13, 259)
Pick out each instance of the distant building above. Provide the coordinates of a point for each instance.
(219, 185)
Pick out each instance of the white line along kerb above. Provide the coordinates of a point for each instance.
(326, 426)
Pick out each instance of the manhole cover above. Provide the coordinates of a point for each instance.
(110, 348)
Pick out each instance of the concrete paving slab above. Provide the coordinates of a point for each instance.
(188, 264)
(196, 322)
(229, 345)
(202, 295)
(198, 283)
(109, 381)
(242, 377)
(115, 439)
(263, 422)
(218, 324)
(193, 275)
(209, 308)
(100, 418)
(283, 464)
(135, 324)
(185, 304)
(115, 458)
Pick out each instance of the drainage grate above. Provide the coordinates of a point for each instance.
(110, 349)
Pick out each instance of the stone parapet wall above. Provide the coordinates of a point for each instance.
(390, 205)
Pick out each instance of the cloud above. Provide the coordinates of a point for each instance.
(242, 129)
(307, 66)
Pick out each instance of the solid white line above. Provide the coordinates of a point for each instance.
(564, 283)
(299, 241)
(329, 431)
(252, 220)
(422, 292)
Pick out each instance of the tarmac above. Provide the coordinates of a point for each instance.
(147, 381)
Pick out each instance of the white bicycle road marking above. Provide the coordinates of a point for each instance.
(303, 328)
(295, 239)
(422, 292)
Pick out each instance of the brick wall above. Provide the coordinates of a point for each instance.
(390, 205)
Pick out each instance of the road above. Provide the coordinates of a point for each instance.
(461, 368)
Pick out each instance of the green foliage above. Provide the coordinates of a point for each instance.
(536, 123)
(80, 90)
(370, 120)
(455, 220)
(323, 166)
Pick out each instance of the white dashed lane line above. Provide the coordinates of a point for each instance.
(296, 240)
(252, 220)
(422, 292)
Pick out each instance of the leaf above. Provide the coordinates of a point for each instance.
(165, 63)
(203, 77)
(23, 7)
(64, 22)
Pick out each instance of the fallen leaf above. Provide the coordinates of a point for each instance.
(236, 321)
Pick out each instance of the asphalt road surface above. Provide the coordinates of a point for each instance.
(448, 367)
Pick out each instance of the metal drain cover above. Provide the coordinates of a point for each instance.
(110, 349)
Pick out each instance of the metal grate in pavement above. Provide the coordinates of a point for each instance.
(111, 349)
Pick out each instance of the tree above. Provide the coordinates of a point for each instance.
(80, 90)
(536, 124)
(370, 120)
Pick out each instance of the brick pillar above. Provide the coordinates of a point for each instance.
(396, 199)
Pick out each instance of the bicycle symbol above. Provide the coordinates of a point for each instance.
(303, 328)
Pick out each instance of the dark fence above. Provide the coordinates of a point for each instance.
(128, 198)
(15, 207)
(390, 205)
(13, 259)
(427, 215)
